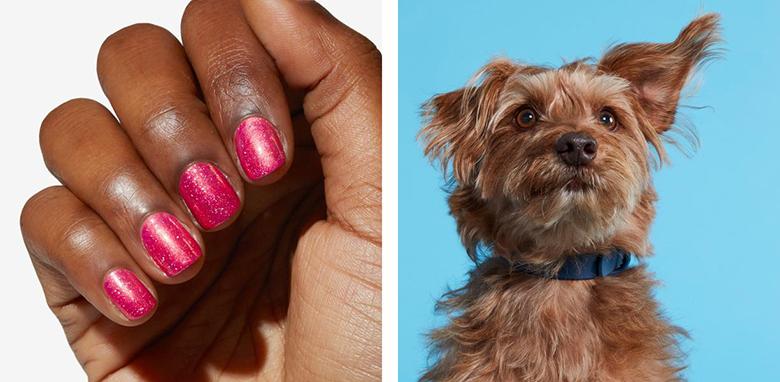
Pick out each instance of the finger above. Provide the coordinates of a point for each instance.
(241, 86)
(64, 234)
(145, 74)
(342, 71)
(84, 147)
(335, 307)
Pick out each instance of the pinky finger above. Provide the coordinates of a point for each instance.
(70, 244)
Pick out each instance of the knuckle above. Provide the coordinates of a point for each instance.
(133, 35)
(78, 233)
(128, 40)
(63, 123)
(122, 193)
(193, 14)
(39, 204)
(236, 78)
(367, 57)
(358, 47)
(55, 213)
(231, 75)
(163, 122)
(237, 71)
(37, 213)
(363, 46)
(64, 117)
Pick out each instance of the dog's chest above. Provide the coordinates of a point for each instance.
(551, 330)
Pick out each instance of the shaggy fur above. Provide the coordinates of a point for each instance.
(513, 196)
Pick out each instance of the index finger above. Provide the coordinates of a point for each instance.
(334, 315)
(342, 71)
(241, 87)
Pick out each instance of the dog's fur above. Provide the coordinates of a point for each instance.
(512, 196)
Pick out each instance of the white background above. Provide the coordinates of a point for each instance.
(48, 57)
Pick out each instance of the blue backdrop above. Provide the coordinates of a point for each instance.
(715, 235)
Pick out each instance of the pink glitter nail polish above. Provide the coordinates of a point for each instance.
(258, 147)
(208, 194)
(168, 243)
(129, 294)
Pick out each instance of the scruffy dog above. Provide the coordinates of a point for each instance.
(551, 180)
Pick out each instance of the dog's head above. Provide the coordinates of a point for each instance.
(562, 157)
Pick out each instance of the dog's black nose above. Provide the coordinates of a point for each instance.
(577, 149)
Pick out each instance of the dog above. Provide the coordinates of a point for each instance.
(550, 185)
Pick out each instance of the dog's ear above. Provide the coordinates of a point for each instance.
(658, 72)
(455, 123)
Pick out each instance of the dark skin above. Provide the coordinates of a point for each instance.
(289, 288)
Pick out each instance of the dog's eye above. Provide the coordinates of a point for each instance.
(526, 118)
(608, 120)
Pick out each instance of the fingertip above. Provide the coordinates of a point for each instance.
(263, 152)
(176, 249)
(135, 299)
(212, 199)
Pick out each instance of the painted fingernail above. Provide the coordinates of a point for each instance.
(258, 147)
(129, 294)
(208, 194)
(168, 243)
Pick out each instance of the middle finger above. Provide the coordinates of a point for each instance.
(145, 74)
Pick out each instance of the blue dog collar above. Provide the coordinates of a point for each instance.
(582, 267)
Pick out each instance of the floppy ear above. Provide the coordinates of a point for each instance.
(455, 123)
(658, 72)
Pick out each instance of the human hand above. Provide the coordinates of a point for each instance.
(288, 281)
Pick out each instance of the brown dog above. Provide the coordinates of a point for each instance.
(548, 165)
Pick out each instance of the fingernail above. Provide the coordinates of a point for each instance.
(168, 243)
(258, 147)
(129, 294)
(208, 194)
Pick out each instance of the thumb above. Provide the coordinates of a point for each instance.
(341, 71)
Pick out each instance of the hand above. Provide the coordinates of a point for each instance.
(185, 243)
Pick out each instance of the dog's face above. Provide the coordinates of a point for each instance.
(561, 157)
(566, 158)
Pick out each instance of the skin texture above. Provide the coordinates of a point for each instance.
(513, 196)
(289, 286)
